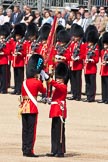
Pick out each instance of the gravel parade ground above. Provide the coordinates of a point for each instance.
(86, 131)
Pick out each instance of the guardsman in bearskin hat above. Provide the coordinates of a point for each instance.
(104, 69)
(31, 44)
(90, 61)
(58, 110)
(18, 56)
(4, 53)
(76, 62)
(62, 44)
(44, 33)
(28, 107)
(59, 28)
(10, 41)
(89, 28)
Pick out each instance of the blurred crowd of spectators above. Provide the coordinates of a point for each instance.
(66, 17)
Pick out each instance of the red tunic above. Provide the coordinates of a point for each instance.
(34, 87)
(27, 50)
(59, 95)
(104, 68)
(65, 54)
(11, 41)
(4, 56)
(17, 60)
(77, 65)
(90, 67)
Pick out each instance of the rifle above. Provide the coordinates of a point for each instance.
(77, 50)
(61, 49)
(90, 53)
(106, 57)
(35, 44)
(19, 46)
(3, 45)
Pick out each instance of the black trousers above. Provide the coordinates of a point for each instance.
(3, 78)
(76, 83)
(18, 78)
(9, 74)
(57, 136)
(70, 82)
(90, 80)
(29, 123)
(104, 83)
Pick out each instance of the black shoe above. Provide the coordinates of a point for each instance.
(3, 92)
(13, 93)
(18, 93)
(78, 99)
(71, 98)
(91, 100)
(51, 154)
(100, 101)
(106, 102)
(30, 155)
(85, 100)
(59, 155)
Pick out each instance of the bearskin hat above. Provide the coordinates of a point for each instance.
(9, 26)
(20, 29)
(105, 38)
(77, 31)
(34, 66)
(59, 28)
(62, 72)
(44, 31)
(72, 30)
(89, 28)
(32, 30)
(63, 36)
(92, 36)
(47, 24)
(4, 30)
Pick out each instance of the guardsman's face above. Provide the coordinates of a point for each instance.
(17, 37)
(105, 46)
(32, 38)
(90, 43)
(76, 39)
(2, 38)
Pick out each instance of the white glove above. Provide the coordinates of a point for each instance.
(44, 75)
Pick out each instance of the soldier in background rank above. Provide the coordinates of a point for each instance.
(31, 44)
(18, 57)
(76, 62)
(62, 47)
(104, 69)
(4, 54)
(90, 61)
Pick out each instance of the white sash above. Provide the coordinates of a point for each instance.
(29, 93)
